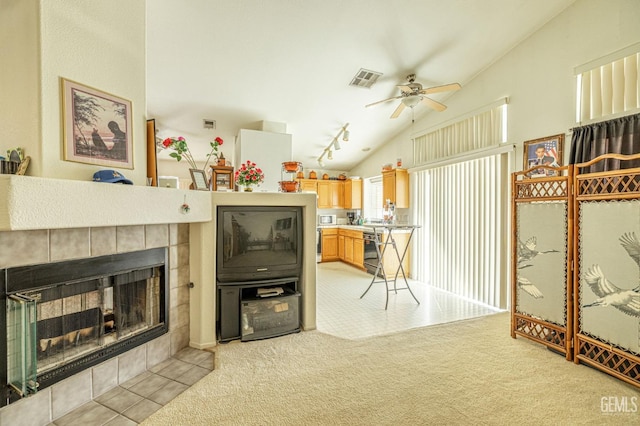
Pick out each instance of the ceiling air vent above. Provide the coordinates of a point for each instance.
(365, 78)
(209, 124)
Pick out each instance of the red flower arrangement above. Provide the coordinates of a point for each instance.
(248, 174)
(179, 145)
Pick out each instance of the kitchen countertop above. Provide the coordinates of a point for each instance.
(369, 227)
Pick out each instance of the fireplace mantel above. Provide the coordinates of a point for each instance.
(43, 203)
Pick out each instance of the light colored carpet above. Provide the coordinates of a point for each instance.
(468, 372)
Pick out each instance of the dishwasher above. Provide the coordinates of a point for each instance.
(371, 256)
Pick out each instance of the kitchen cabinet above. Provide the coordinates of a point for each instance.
(308, 185)
(353, 194)
(340, 246)
(358, 251)
(390, 258)
(353, 252)
(329, 244)
(395, 187)
(330, 194)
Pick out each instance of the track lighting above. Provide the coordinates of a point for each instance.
(335, 144)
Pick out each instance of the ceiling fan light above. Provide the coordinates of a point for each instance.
(411, 100)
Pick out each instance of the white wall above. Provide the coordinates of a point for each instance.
(97, 43)
(20, 78)
(537, 76)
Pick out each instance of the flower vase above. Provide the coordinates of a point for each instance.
(248, 188)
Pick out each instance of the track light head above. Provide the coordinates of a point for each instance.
(345, 136)
(336, 145)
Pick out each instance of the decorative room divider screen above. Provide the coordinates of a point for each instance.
(576, 260)
(606, 275)
(541, 256)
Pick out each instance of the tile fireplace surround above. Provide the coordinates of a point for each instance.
(35, 228)
(46, 220)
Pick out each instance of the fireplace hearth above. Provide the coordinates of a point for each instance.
(64, 317)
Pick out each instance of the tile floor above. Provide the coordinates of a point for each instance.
(340, 312)
(135, 400)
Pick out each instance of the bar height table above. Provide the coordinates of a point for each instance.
(381, 247)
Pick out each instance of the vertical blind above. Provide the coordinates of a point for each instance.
(462, 244)
(482, 130)
(609, 89)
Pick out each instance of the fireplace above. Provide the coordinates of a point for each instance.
(61, 318)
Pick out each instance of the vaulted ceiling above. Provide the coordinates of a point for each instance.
(240, 62)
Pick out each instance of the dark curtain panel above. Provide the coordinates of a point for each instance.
(618, 136)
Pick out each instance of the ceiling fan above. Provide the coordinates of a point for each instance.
(413, 93)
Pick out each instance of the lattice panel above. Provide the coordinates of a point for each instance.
(541, 333)
(619, 184)
(618, 364)
(533, 188)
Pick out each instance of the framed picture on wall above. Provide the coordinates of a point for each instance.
(97, 126)
(544, 151)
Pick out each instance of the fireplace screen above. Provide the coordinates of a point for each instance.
(56, 329)
(21, 337)
(76, 319)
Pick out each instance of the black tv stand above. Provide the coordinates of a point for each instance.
(253, 310)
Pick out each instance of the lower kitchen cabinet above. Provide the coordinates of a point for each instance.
(390, 259)
(330, 244)
(353, 252)
(358, 252)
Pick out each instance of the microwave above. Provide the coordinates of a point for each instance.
(327, 219)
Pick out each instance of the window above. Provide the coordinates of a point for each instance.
(372, 206)
(608, 86)
(480, 130)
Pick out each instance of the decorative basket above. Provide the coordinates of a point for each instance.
(289, 185)
(9, 167)
(291, 166)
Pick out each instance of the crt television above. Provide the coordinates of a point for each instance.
(258, 243)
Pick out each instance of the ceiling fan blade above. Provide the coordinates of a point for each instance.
(433, 104)
(384, 100)
(398, 110)
(404, 88)
(443, 88)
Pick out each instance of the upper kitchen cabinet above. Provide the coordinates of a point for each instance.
(268, 150)
(308, 185)
(330, 194)
(353, 194)
(395, 187)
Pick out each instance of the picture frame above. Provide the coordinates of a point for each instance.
(222, 178)
(152, 155)
(546, 151)
(97, 126)
(199, 179)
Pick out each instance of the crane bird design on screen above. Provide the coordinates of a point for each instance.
(526, 253)
(626, 301)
